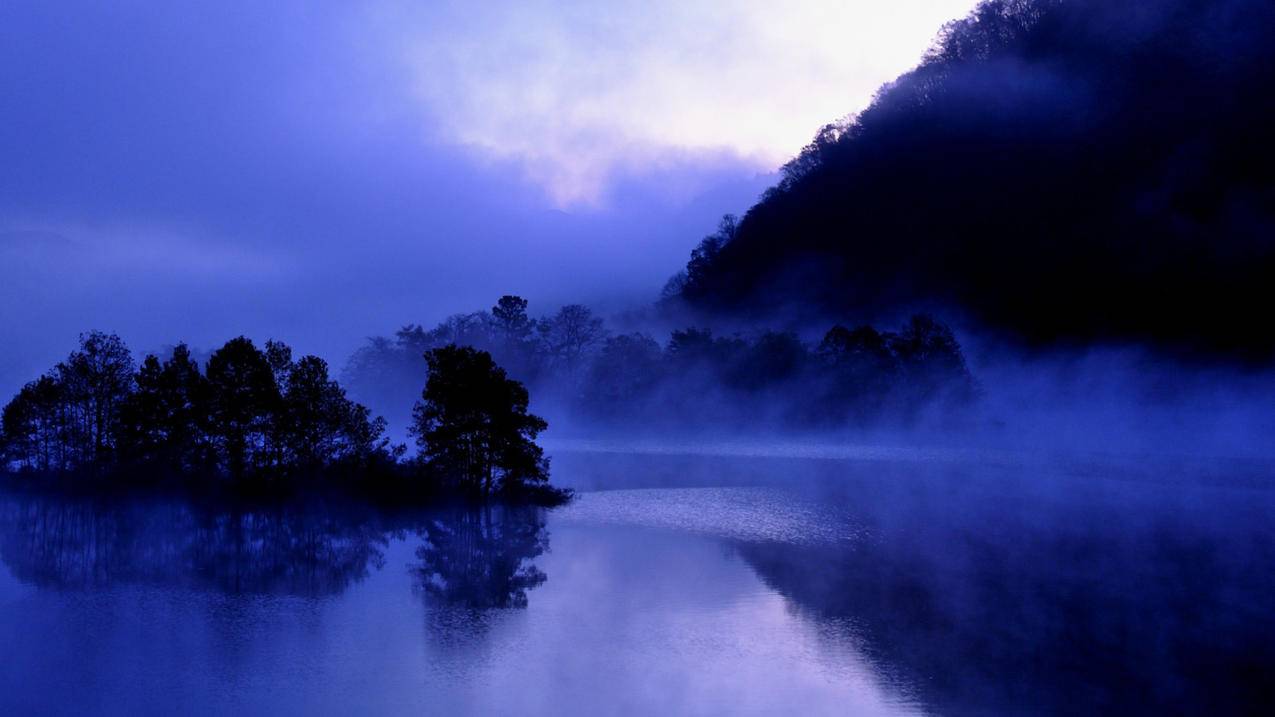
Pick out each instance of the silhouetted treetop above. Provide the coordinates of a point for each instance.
(252, 413)
(473, 427)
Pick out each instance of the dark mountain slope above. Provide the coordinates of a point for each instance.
(1059, 169)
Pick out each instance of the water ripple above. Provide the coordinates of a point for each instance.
(751, 514)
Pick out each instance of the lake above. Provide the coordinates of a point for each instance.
(721, 579)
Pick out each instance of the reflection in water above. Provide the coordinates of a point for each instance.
(481, 559)
(79, 545)
(841, 590)
(1009, 603)
(995, 590)
(474, 558)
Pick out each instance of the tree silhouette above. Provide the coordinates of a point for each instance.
(243, 402)
(473, 428)
(931, 360)
(35, 427)
(569, 335)
(625, 372)
(165, 420)
(510, 320)
(320, 426)
(96, 380)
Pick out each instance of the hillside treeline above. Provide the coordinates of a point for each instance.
(1057, 170)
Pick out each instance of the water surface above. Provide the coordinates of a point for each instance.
(677, 583)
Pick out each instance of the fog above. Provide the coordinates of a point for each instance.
(900, 582)
(966, 409)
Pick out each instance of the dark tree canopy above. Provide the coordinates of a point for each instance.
(1061, 170)
(165, 419)
(69, 418)
(251, 414)
(244, 399)
(473, 427)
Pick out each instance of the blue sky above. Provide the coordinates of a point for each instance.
(320, 172)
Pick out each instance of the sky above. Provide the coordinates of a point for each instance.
(321, 172)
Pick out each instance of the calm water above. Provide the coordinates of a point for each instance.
(739, 582)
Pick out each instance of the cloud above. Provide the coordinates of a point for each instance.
(579, 92)
(185, 170)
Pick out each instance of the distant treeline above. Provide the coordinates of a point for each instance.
(695, 379)
(256, 419)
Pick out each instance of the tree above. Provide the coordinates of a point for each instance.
(243, 401)
(473, 428)
(697, 349)
(70, 419)
(320, 427)
(460, 329)
(35, 427)
(571, 334)
(859, 370)
(931, 360)
(704, 255)
(279, 356)
(96, 380)
(624, 372)
(513, 339)
(164, 421)
(673, 288)
(771, 358)
(510, 321)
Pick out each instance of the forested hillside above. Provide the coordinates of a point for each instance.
(1059, 170)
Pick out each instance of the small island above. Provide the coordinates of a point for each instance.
(257, 423)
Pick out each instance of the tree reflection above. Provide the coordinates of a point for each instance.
(472, 558)
(481, 558)
(63, 544)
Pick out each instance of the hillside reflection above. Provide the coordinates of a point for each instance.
(474, 558)
(1023, 601)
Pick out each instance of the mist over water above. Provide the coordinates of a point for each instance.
(966, 409)
(686, 581)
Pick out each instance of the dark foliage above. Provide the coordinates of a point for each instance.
(253, 417)
(258, 422)
(68, 419)
(244, 403)
(164, 420)
(1065, 170)
(473, 428)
